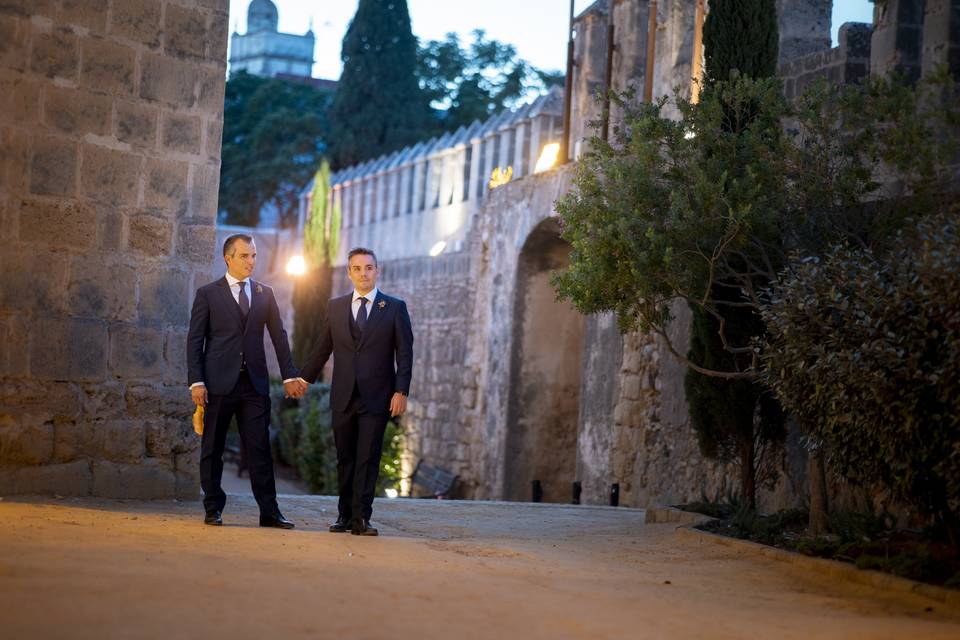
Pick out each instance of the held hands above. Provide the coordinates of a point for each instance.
(295, 388)
(398, 404)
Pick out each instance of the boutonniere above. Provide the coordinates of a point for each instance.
(259, 289)
(381, 304)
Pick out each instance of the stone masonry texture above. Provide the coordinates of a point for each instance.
(110, 120)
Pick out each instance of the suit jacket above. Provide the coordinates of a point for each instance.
(219, 341)
(368, 363)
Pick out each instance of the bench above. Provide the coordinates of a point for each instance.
(439, 482)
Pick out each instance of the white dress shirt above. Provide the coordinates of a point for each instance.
(355, 305)
(235, 288)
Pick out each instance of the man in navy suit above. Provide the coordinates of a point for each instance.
(371, 340)
(227, 371)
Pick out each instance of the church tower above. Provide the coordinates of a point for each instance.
(264, 51)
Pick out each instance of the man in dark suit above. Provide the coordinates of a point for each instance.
(371, 340)
(227, 371)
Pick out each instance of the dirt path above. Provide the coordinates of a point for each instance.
(84, 568)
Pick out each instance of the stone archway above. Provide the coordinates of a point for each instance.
(545, 372)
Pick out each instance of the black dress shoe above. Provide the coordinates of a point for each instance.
(342, 525)
(361, 527)
(213, 518)
(277, 521)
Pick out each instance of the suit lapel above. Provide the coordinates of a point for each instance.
(255, 303)
(228, 300)
(344, 315)
(373, 317)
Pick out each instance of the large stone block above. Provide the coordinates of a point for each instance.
(164, 79)
(175, 357)
(186, 31)
(69, 349)
(164, 297)
(135, 352)
(171, 437)
(52, 400)
(150, 234)
(103, 401)
(195, 242)
(15, 160)
(33, 280)
(109, 176)
(101, 290)
(77, 111)
(204, 193)
(29, 8)
(14, 343)
(91, 14)
(53, 171)
(137, 124)
(165, 186)
(72, 479)
(70, 440)
(58, 223)
(19, 97)
(14, 37)
(146, 481)
(181, 133)
(214, 140)
(25, 439)
(217, 38)
(117, 440)
(212, 83)
(55, 54)
(138, 20)
(108, 67)
(110, 228)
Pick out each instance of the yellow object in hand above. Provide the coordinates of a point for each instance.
(198, 420)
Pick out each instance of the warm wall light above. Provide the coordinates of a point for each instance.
(500, 177)
(438, 248)
(548, 157)
(296, 266)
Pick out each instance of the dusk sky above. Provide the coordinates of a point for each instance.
(537, 28)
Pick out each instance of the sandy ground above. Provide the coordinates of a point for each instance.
(87, 568)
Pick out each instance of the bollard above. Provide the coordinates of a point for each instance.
(615, 494)
(537, 491)
(577, 490)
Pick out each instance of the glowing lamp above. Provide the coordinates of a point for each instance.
(296, 266)
(548, 157)
(438, 248)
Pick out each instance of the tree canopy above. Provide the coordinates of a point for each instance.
(470, 83)
(378, 106)
(273, 133)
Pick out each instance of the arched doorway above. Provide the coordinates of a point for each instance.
(545, 371)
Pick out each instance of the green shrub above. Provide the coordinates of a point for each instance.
(865, 349)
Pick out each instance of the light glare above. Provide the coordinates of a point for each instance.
(548, 157)
(296, 266)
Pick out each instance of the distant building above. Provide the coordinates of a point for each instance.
(264, 51)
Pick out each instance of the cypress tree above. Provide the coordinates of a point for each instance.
(734, 420)
(379, 106)
(741, 35)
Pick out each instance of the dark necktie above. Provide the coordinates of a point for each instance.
(362, 315)
(244, 300)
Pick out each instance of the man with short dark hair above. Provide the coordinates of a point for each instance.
(227, 373)
(370, 337)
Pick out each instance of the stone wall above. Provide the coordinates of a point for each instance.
(847, 63)
(110, 125)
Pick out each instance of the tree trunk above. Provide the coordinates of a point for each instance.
(748, 475)
(817, 477)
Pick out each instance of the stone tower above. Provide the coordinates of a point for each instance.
(264, 51)
(111, 115)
